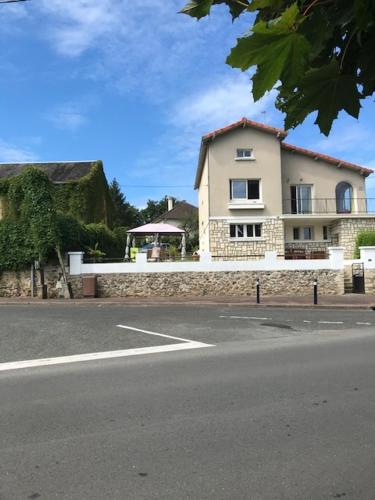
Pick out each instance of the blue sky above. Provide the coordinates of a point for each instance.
(135, 84)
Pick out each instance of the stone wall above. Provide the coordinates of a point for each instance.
(309, 246)
(370, 281)
(223, 247)
(18, 284)
(344, 232)
(221, 283)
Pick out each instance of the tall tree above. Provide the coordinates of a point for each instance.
(319, 53)
(124, 214)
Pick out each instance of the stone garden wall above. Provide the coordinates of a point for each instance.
(232, 283)
(221, 283)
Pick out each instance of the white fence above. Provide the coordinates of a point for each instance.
(205, 264)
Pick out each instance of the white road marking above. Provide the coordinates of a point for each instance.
(93, 356)
(307, 321)
(363, 323)
(331, 322)
(153, 333)
(246, 317)
(122, 353)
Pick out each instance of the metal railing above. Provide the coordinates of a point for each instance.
(327, 206)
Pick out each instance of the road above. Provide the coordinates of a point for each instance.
(277, 404)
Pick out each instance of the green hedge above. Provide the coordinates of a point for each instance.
(364, 239)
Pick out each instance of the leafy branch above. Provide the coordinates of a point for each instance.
(319, 55)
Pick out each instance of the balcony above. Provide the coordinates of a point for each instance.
(329, 206)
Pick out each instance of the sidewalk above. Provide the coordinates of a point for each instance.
(348, 301)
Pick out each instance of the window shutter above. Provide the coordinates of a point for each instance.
(232, 231)
(230, 189)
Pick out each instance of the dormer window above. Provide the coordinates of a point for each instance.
(245, 154)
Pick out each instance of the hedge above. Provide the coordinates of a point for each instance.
(364, 239)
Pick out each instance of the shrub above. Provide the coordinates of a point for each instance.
(364, 239)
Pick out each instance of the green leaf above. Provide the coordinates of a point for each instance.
(327, 91)
(198, 8)
(201, 8)
(279, 51)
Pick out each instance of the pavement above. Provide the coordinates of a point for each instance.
(362, 301)
(266, 403)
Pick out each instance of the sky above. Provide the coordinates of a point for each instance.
(135, 84)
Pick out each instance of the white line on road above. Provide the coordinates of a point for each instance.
(363, 323)
(93, 356)
(306, 321)
(331, 322)
(122, 353)
(246, 317)
(153, 333)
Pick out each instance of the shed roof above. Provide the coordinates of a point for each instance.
(57, 171)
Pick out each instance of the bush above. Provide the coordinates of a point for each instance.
(364, 239)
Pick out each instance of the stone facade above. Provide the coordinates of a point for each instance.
(219, 283)
(344, 232)
(222, 247)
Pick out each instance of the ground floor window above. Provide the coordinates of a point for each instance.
(303, 233)
(245, 230)
(325, 232)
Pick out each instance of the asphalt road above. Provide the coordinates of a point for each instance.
(282, 407)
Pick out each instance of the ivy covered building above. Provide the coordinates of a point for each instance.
(81, 188)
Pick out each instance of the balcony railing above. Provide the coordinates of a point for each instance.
(329, 206)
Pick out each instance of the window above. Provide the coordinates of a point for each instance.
(245, 230)
(296, 233)
(242, 189)
(307, 233)
(245, 154)
(344, 194)
(325, 232)
(300, 199)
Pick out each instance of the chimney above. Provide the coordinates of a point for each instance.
(170, 203)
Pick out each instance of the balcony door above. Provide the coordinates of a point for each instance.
(300, 195)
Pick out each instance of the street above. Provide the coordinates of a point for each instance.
(222, 403)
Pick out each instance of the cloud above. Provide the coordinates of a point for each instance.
(68, 116)
(12, 153)
(345, 137)
(222, 103)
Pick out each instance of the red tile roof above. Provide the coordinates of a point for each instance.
(244, 122)
(328, 159)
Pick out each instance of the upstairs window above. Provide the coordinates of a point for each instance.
(245, 154)
(244, 189)
(250, 231)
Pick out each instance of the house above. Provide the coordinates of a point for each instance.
(257, 193)
(178, 214)
(81, 187)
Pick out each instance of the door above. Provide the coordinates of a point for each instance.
(300, 199)
(358, 276)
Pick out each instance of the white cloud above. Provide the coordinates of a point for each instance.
(221, 104)
(67, 116)
(12, 153)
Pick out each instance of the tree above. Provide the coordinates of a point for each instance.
(124, 214)
(319, 53)
(155, 208)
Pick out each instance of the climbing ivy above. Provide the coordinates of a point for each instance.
(87, 199)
